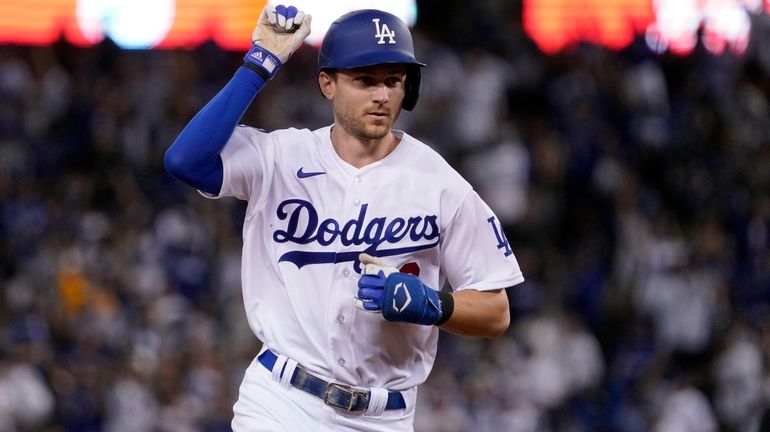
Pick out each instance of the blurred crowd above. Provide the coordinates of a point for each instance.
(634, 188)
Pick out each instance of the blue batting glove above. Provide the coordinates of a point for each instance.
(400, 297)
(407, 299)
(371, 285)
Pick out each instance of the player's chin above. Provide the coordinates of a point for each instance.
(379, 122)
(377, 131)
(376, 128)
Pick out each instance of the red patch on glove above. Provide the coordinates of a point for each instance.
(411, 268)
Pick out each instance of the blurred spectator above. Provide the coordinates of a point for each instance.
(479, 106)
(739, 379)
(26, 401)
(685, 409)
(500, 174)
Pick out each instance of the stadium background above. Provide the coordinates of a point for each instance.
(633, 182)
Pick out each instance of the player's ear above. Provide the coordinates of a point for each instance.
(326, 84)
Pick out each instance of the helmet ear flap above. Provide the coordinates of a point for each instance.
(411, 87)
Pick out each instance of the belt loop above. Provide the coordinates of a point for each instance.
(378, 399)
(288, 373)
(280, 364)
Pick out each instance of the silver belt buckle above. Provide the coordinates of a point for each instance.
(344, 388)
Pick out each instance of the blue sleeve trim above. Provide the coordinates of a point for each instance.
(194, 156)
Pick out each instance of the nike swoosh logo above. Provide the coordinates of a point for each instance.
(302, 174)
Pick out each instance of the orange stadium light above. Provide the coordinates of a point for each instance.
(228, 23)
(671, 25)
(163, 23)
(556, 24)
(668, 25)
(41, 22)
(38, 22)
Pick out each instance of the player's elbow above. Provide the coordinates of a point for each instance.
(182, 166)
(500, 315)
(500, 324)
(203, 174)
(174, 162)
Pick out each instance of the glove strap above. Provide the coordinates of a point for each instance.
(262, 61)
(408, 299)
(447, 306)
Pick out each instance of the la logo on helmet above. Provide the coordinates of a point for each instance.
(383, 32)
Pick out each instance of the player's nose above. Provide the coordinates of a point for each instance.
(381, 93)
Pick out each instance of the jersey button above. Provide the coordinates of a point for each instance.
(340, 319)
(358, 179)
(341, 361)
(346, 272)
(357, 202)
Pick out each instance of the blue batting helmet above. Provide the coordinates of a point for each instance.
(370, 37)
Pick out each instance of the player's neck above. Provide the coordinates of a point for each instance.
(360, 152)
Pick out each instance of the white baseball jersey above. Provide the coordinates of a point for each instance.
(310, 214)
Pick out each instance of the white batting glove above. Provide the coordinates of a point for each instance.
(279, 32)
(373, 265)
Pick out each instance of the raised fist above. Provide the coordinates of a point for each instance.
(279, 32)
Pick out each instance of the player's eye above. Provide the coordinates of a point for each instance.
(394, 81)
(364, 80)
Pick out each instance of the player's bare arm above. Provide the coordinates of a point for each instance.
(479, 313)
(404, 297)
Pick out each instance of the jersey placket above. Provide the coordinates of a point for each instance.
(346, 283)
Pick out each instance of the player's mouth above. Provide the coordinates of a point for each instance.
(378, 115)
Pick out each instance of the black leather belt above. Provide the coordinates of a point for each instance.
(337, 395)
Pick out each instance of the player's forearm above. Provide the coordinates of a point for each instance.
(194, 156)
(479, 313)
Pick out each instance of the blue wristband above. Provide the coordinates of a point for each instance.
(263, 59)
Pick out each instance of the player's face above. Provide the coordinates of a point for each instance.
(367, 100)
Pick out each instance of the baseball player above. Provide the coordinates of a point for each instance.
(350, 232)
